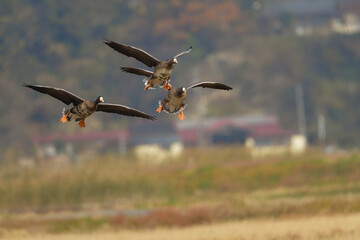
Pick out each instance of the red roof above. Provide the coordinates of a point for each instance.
(218, 125)
(269, 130)
(239, 123)
(267, 127)
(189, 135)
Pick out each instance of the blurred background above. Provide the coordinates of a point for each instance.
(287, 132)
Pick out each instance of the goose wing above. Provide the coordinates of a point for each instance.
(184, 52)
(137, 71)
(123, 110)
(134, 52)
(58, 93)
(214, 85)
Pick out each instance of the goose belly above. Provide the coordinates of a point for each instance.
(174, 105)
(156, 82)
(163, 74)
(81, 111)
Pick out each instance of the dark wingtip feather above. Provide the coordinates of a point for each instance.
(153, 118)
(225, 87)
(27, 85)
(107, 42)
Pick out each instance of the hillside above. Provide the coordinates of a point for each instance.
(59, 43)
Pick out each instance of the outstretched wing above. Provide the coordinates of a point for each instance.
(134, 52)
(214, 85)
(123, 110)
(58, 93)
(187, 51)
(137, 71)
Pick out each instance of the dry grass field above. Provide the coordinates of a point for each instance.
(335, 227)
(212, 194)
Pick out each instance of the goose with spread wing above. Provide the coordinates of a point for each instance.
(83, 108)
(160, 77)
(175, 99)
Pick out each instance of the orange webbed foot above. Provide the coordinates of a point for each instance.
(167, 86)
(148, 85)
(161, 107)
(64, 118)
(181, 115)
(82, 123)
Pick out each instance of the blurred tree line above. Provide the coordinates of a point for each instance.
(59, 43)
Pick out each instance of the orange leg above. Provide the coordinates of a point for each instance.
(82, 123)
(167, 86)
(64, 118)
(181, 115)
(161, 107)
(148, 85)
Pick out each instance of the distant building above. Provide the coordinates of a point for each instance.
(304, 17)
(262, 135)
(265, 130)
(163, 133)
(162, 140)
(151, 141)
(155, 142)
(301, 9)
(349, 24)
(349, 20)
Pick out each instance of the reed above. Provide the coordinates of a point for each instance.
(199, 175)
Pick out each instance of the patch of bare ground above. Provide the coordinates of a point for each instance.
(334, 227)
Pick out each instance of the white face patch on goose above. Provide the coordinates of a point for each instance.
(175, 60)
(183, 89)
(101, 99)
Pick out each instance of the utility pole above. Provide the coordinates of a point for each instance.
(300, 108)
(321, 129)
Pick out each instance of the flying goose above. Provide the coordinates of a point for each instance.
(83, 108)
(163, 69)
(175, 99)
